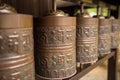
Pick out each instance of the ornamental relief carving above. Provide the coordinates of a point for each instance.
(87, 52)
(86, 32)
(16, 41)
(55, 35)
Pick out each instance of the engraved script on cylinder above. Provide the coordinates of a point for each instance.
(16, 47)
(55, 47)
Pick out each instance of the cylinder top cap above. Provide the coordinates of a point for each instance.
(15, 21)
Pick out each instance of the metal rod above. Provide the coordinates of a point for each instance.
(97, 11)
(101, 11)
(54, 5)
(109, 14)
(82, 8)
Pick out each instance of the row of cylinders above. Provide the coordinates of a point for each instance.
(59, 42)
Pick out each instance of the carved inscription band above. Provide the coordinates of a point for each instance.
(87, 40)
(16, 48)
(55, 47)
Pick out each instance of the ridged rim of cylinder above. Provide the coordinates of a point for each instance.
(56, 20)
(105, 21)
(86, 21)
(11, 21)
(116, 21)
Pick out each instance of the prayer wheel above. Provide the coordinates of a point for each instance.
(55, 51)
(16, 47)
(87, 40)
(104, 39)
(115, 33)
(55, 47)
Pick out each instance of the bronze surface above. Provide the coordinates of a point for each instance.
(104, 39)
(55, 52)
(115, 33)
(12, 21)
(16, 48)
(87, 40)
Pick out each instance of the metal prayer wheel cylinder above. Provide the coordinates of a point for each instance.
(104, 39)
(87, 40)
(55, 47)
(16, 47)
(115, 33)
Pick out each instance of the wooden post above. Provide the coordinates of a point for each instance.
(112, 67)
